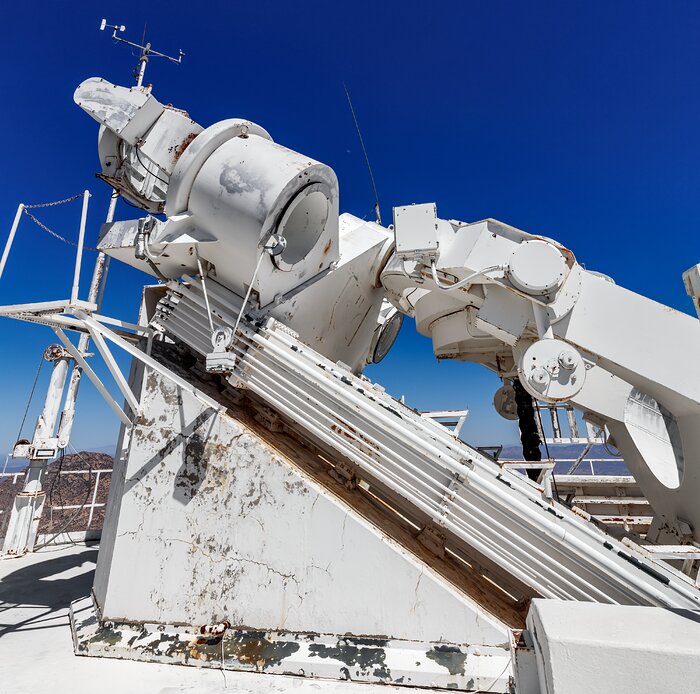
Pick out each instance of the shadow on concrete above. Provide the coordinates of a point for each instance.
(32, 587)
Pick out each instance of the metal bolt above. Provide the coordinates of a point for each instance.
(567, 360)
(538, 377)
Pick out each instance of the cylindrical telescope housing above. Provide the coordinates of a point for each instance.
(250, 188)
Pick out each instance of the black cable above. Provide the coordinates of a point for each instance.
(131, 204)
(606, 445)
(529, 435)
(53, 481)
(364, 151)
(136, 149)
(78, 511)
(31, 395)
(125, 181)
(546, 447)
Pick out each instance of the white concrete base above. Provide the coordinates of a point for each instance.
(360, 659)
(207, 523)
(36, 653)
(614, 649)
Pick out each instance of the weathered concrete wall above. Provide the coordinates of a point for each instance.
(215, 525)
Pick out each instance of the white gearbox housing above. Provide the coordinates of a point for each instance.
(227, 188)
(537, 267)
(551, 370)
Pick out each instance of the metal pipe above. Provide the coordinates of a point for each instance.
(94, 297)
(615, 572)
(476, 539)
(331, 432)
(397, 483)
(11, 237)
(79, 254)
(143, 60)
(403, 464)
(46, 423)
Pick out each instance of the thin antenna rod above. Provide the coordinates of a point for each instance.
(364, 150)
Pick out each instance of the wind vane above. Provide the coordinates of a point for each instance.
(146, 50)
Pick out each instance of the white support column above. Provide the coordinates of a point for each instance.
(29, 503)
(94, 297)
(46, 424)
(11, 237)
(79, 253)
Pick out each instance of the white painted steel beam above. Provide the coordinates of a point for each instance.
(59, 306)
(11, 237)
(92, 376)
(149, 361)
(114, 370)
(79, 250)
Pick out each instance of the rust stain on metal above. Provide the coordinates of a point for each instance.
(365, 444)
(580, 512)
(179, 150)
(254, 648)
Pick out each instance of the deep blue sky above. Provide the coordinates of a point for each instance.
(575, 120)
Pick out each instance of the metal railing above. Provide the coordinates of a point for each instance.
(81, 527)
(564, 425)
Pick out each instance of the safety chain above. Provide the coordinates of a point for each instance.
(45, 228)
(52, 204)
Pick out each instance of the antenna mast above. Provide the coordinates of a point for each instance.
(146, 50)
(364, 151)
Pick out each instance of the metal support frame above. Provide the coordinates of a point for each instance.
(92, 376)
(94, 327)
(114, 370)
(449, 418)
(79, 316)
(11, 237)
(492, 511)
